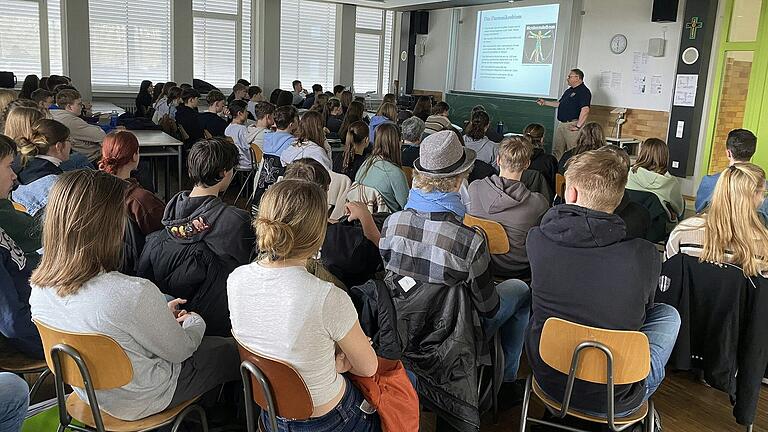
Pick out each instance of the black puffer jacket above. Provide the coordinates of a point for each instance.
(435, 338)
(203, 241)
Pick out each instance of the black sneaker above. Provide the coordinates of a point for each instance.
(511, 394)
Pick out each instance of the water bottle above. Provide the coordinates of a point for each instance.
(113, 119)
(500, 128)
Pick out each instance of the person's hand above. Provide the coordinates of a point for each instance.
(225, 112)
(342, 363)
(184, 316)
(173, 305)
(357, 211)
(573, 128)
(541, 102)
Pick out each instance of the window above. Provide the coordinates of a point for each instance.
(307, 43)
(373, 50)
(222, 41)
(30, 37)
(130, 42)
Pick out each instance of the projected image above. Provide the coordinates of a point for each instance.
(539, 46)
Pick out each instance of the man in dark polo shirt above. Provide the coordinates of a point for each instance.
(572, 112)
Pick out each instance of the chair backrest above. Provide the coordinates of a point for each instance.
(560, 185)
(630, 351)
(408, 171)
(107, 362)
(258, 153)
(369, 196)
(290, 393)
(498, 242)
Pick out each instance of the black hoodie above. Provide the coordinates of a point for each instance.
(203, 241)
(585, 272)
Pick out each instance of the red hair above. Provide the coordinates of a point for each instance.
(117, 150)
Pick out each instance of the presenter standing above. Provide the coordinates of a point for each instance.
(572, 112)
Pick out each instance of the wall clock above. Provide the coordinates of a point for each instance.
(618, 43)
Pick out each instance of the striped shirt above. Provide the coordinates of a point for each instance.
(687, 238)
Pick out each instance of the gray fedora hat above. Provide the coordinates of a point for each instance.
(442, 155)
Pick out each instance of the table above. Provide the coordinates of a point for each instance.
(631, 145)
(106, 108)
(156, 143)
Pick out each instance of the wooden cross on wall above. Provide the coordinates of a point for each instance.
(694, 25)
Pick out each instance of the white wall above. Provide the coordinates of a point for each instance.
(632, 18)
(431, 69)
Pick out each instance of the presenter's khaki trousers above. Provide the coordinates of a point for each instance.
(565, 138)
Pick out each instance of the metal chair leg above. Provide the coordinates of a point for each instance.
(38, 382)
(526, 403)
(650, 421)
(184, 413)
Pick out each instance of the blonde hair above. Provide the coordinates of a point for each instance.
(535, 133)
(292, 220)
(388, 110)
(46, 133)
(515, 153)
(733, 230)
(591, 137)
(6, 96)
(653, 156)
(83, 230)
(20, 122)
(600, 177)
(440, 184)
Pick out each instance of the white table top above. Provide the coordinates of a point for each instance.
(106, 108)
(155, 138)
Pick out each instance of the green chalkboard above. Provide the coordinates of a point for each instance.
(516, 112)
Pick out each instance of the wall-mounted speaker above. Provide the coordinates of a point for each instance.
(420, 22)
(664, 11)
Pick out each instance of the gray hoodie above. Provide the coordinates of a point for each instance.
(517, 209)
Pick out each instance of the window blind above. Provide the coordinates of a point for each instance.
(20, 37)
(222, 41)
(386, 85)
(367, 48)
(373, 50)
(130, 42)
(307, 43)
(54, 38)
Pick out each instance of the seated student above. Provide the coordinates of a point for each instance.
(474, 138)
(30, 84)
(20, 226)
(262, 112)
(389, 98)
(284, 98)
(204, 238)
(317, 89)
(20, 118)
(168, 107)
(423, 108)
(320, 101)
(636, 217)
(333, 114)
(309, 142)
(403, 115)
(541, 161)
(238, 132)
(491, 133)
(255, 95)
(157, 93)
(188, 117)
(505, 199)
(346, 99)
(730, 231)
(212, 120)
(355, 113)
(610, 283)
(740, 146)
(355, 145)
(591, 137)
(382, 170)
(649, 174)
(40, 155)
(281, 311)
(387, 113)
(439, 119)
(298, 95)
(120, 157)
(44, 99)
(163, 98)
(86, 138)
(338, 89)
(286, 122)
(413, 130)
(77, 289)
(239, 92)
(144, 98)
(459, 255)
(14, 402)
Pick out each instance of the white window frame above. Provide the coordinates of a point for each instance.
(45, 51)
(380, 90)
(237, 19)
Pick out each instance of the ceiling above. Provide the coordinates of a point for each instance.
(411, 5)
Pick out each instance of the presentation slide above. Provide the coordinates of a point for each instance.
(515, 49)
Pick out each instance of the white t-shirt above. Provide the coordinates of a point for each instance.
(239, 134)
(307, 150)
(290, 315)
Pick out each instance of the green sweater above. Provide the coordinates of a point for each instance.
(388, 179)
(23, 229)
(665, 187)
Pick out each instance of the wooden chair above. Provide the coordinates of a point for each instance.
(19, 207)
(96, 362)
(408, 171)
(275, 386)
(14, 361)
(608, 357)
(496, 237)
(560, 185)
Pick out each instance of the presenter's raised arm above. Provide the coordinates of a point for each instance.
(553, 104)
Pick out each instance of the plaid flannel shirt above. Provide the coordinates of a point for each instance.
(437, 248)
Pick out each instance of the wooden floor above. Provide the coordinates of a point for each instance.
(685, 405)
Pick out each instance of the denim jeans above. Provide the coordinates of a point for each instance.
(14, 400)
(346, 417)
(511, 320)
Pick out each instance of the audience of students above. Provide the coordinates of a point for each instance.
(163, 99)
(239, 92)
(86, 138)
(309, 101)
(649, 174)
(286, 125)
(309, 143)
(20, 226)
(188, 117)
(439, 119)
(325, 340)
(475, 138)
(333, 114)
(355, 146)
(284, 98)
(166, 106)
(610, 283)
(591, 137)
(204, 238)
(44, 99)
(211, 120)
(382, 169)
(541, 161)
(299, 93)
(238, 132)
(263, 113)
(412, 130)
(40, 156)
(120, 157)
(387, 113)
(423, 108)
(505, 199)
(320, 101)
(144, 99)
(355, 113)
